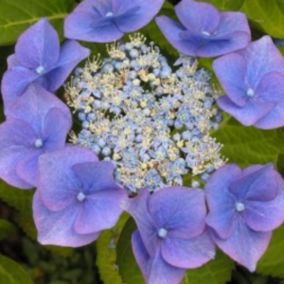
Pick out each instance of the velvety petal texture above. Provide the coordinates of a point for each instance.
(37, 123)
(245, 246)
(57, 227)
(222, 210)
(140, 253)
(138, 208)
(171, 234)
(244, 207)
(185, 254)
(14, 83)
(76, 199)
(72, 53)
(253, 80)
(188, 220)
(203, 31)
(39, 59)
(59, 189)
(38, 46)
(154, 269)
(109, 20)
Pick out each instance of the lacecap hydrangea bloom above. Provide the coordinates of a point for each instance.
(76, 197)
(152, 121)
(171, 235)
(254, 83)
(244, 207)
(109, 20)
(203, 31)
(39, 59)
(143, 128)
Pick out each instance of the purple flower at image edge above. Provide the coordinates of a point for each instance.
(244, 207)
(39, 59)
(37, 123)
(253, 80)
(203, 31)
(76, 197)
(109, 20)
(171, 235)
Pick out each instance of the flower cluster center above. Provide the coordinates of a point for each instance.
(151, 121)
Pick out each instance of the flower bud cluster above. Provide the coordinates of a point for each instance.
(151, 120)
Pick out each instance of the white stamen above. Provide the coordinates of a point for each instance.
(40, 70)
(109, 14)
(162, 233)
(206, 33)
(250, 92)
(240, 207)
(81, 196)
(38, 143)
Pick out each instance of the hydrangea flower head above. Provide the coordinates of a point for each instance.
(39, 58)
(128, 105)
(109, 20)
(254, 82)
(203, 31)
(171, 235)
(37, 123)
(244, 207)
(76, 197)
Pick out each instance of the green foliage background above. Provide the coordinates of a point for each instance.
(114, 259)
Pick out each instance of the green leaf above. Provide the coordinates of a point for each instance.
(266, 15)
(17, 15)
(12, 273)
(280, 164)
(21, 200)
(226, 5)
(25, 221)
(272, 263)
(128, 268)
(6, 229)
(217, 271)
(106, 253)
(281, 48)
(5, 51)
(248, 145)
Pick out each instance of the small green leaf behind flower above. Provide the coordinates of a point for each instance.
(226, 5)
(21, 201)
(246, 146)
(272, 262)
(12, 273)
(17, 15)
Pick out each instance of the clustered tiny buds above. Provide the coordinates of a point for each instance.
(151, 121)
(143, 129)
